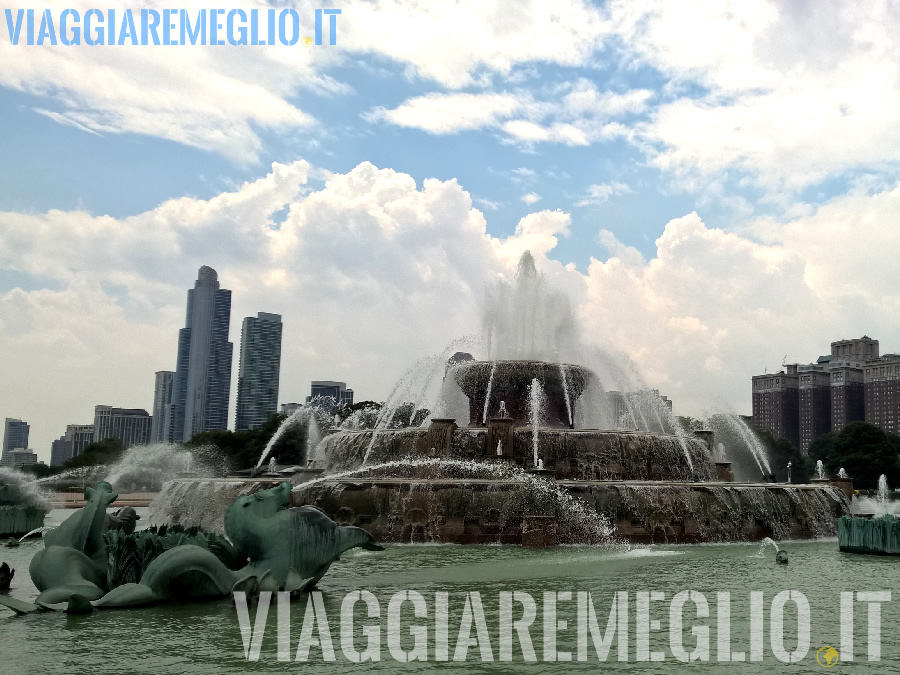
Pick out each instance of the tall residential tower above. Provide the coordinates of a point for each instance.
(259, 370)
(203, 369)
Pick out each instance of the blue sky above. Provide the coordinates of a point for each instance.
(710, 178)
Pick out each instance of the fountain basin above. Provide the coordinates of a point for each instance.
(874, 536)
(17, 520)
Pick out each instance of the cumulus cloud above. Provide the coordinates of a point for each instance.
(574, 113)
(531, 198)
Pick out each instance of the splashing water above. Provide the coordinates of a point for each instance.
(487, 398)
(535, 411)
(17, 487)
(565, 383)
(302, 415)
(149, 466)
(735, 427)
(586, 524)
(820, 470)
(765, 543)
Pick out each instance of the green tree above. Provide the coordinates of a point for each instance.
(865, 451)
(107, 451)
(41, 470)
(822, 446)
(243, 449)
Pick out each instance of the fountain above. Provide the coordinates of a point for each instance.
(874, 528)
(572, 426)
(22, 506)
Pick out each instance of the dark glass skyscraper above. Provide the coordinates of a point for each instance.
(203, 368)
(15, 434)
(259, 370)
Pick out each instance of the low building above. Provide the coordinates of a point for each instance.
(78, 437)
(336, 390)
(18, 458)
(129, 425)
(288, 409)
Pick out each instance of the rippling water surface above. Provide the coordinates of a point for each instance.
(205, 637)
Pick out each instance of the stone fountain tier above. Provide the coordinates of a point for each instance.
(436, 506)
(453, 501)
(510, 383)
(572, 454)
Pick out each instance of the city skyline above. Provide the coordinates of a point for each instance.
(702, 188)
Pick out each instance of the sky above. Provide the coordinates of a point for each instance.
(714, 183)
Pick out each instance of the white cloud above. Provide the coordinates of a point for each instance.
(451, 42)
(577, 113)
(793, 95)
(488, 204)
(442, 114)
(213, 98)
(218, 98)
(531, 198)
(600, 193)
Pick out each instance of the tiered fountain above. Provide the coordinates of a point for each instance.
(509, 457)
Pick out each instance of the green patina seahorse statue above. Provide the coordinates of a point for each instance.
(285, 549)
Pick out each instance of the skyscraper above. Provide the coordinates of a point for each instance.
(15, 435)
(259, 369)
(203, 369)
(163, 408)
(58, 451)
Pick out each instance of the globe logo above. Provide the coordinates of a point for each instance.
(306, 41)
(827, 656)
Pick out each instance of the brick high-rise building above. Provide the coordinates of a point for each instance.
(847, 396)
(882, 392)
(776, 403)
(814, 402)
(831, 393)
